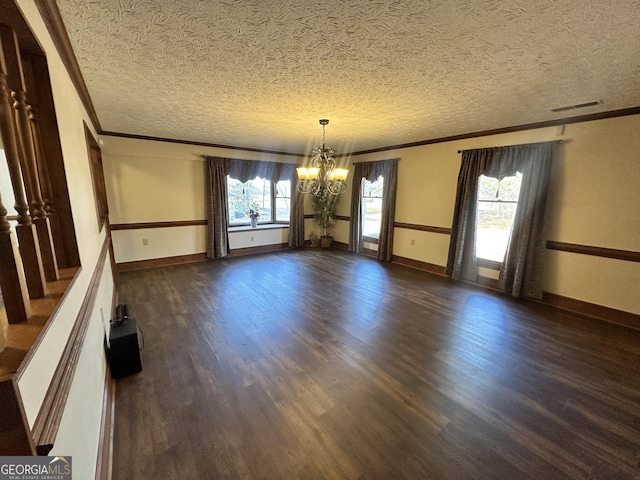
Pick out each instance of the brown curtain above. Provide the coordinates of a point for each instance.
(388, 169)
(296, 219)
(461, 262)
(216, 170)
(355, 227)
(385, 240)
(520, 274)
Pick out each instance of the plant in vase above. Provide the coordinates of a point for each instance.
(254, 214)
(324, 207)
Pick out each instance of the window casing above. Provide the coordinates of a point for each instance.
(282, 201)
(273, 200)
(497, 204)
(371, 209)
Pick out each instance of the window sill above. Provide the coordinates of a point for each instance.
(370, 240)
(263, 226)
(490, 264)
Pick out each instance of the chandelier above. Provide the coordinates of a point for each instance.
(322, 178)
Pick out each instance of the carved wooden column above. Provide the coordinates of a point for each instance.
(12, 282)
(47, 244)
(25, 231)
(16, 84)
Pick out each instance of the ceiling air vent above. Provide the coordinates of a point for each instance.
(573, 107)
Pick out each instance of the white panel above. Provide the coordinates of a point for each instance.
(256, 237)
(129, 245)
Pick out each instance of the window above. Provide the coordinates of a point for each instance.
(273, 200)
(283, 201)
(497, 203)
(371, 209)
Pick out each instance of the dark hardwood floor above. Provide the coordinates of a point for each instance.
(327, 365)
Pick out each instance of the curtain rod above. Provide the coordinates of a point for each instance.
(552, 141)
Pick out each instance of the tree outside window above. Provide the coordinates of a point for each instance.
(497, 204)
(272, 199)
(283, 201)
(372, 209)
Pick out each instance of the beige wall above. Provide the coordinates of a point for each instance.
(150, 181)
(79, 430)
(594, 200)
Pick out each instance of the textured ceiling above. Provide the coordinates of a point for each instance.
(260, 73)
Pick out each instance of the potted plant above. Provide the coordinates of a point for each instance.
(324, 207)
(254, 214)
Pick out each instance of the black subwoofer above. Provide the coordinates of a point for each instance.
(124, 347)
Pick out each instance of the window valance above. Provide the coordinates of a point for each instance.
(245, 170)
(506, 161)
(372, 170)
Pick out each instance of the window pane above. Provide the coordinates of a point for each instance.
(373, 189)
(372, 217)
(242, 196)
(283, 200)
(372, 207)
(496, 210)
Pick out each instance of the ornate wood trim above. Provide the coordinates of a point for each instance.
(423, 228)
(55, 25)
(193, 223)
(516, 128)
(340, 245)
(143, 225)
(627, 255)
(346, 218)
(160, 262)
(599, 312)
(419, 265)
(45, 427)
(201, 144)
(105, 445)
(14, 434)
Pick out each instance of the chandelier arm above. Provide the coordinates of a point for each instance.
(336, 187)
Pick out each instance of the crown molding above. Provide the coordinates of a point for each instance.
(200, 144)
(516, 128)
